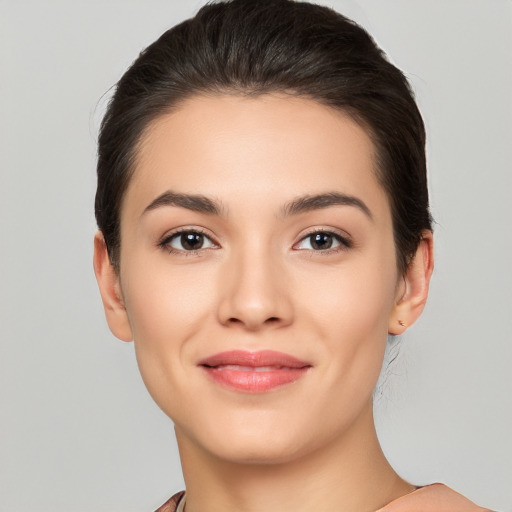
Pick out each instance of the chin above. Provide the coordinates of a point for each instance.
(257, 439)
(260, 451)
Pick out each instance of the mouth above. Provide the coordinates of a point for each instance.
(254, 372)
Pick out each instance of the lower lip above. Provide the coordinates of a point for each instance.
(255, 381)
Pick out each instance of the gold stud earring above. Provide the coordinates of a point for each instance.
(401, 322)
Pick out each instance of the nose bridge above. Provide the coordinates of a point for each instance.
(252, 291)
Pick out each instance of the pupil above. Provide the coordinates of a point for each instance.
(321, 241)
(192, 241)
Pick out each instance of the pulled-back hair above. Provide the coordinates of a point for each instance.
(255, 47)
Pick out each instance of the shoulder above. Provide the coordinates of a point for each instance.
(433, 498)
(171, 505)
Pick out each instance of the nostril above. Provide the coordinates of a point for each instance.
(271, 320)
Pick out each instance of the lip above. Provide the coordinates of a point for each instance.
(254, 372)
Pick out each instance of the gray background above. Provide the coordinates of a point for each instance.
(78, 431)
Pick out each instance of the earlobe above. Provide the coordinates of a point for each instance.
(110, 290)
(412, 293)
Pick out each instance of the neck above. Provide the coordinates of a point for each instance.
(351, 474)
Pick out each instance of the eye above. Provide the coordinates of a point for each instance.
(323, 241)
(187, 241)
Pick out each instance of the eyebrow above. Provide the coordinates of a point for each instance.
(316, 202)
(195, 202)
(202, 204)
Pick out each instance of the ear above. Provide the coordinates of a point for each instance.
(412, 292)
(110, 290)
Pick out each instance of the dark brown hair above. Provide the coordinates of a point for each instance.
(254, 47)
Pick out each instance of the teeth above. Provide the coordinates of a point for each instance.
(249, 368)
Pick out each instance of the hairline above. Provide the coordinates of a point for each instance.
(180, 102)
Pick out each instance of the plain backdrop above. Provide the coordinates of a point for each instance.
(78, 431)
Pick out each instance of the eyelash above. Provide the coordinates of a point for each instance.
(345, 243)
(166, 241)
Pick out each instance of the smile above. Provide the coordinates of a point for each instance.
(254, 372)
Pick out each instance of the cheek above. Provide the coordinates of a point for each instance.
(352, 298)
(166, 311)
(349, 309)
(165, 304)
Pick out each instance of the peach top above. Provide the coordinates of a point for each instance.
(431, 498)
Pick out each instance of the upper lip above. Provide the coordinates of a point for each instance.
(246, 358)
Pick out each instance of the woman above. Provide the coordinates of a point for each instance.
(264, 226)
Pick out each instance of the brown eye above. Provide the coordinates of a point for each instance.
(191, 241)
(323, 241)
(187, 241)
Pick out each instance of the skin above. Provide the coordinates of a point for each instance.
(258, 283)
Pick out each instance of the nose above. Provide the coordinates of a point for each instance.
(254, 293)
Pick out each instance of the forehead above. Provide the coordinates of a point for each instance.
(246, 150)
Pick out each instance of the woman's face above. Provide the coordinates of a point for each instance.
(258, 273)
